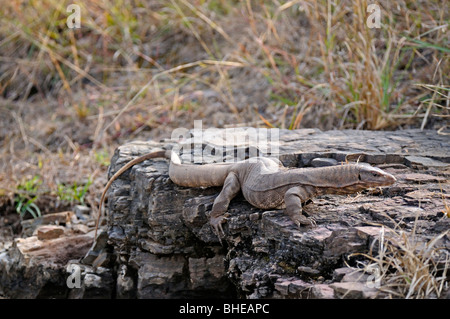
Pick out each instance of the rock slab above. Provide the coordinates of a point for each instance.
(158, 243)
(265, 255)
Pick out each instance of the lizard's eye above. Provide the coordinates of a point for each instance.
(375, 174)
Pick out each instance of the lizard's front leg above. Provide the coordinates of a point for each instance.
(231, 187)
(293, 199)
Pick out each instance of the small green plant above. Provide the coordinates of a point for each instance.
(26, 196)
(73, 193)
(102, 157)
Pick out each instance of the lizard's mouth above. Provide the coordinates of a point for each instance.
(393, 179)
(388, 179)
(376, 179)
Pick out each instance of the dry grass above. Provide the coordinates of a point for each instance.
(405, 266)
(312, 55)
(139, 69)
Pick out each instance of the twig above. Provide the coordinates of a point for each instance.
(21, 128)
(174, 69)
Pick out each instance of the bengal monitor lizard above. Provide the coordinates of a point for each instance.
(265, 183)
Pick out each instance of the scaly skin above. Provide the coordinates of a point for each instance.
(265, 183)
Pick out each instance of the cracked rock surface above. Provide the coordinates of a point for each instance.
(158, 242)
(264, 255)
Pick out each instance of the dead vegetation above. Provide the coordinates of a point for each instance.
(403, 265)
(139, 69)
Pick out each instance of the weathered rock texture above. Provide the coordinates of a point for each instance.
(161, 235)
(35, 266)
(159, 244)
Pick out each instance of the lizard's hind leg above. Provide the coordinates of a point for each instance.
(230, 188)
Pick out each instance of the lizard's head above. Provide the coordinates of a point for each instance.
(374, 177)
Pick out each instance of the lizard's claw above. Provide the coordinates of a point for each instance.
(312, 221)
(216, 223)
(301, 220)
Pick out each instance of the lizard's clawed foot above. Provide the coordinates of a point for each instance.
(301, 220)
(312, 221)
(216, 223)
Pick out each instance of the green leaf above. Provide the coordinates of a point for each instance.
(424, 44)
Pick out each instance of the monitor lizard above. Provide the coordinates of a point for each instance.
(265, 183)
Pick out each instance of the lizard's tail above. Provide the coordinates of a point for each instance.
(165, 154)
